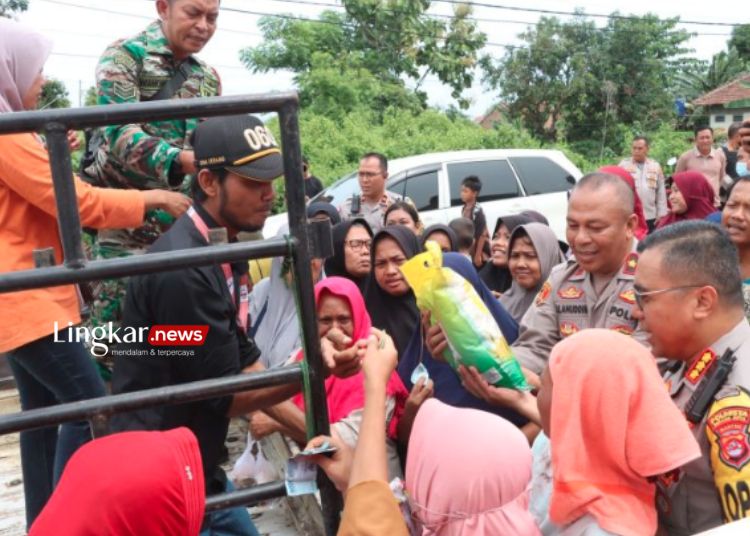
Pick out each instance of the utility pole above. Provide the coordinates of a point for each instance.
(609, 88)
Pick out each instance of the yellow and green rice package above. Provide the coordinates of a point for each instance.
(474, 338)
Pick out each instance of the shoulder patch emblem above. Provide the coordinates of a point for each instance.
(571, 293)
(622, 328)
(543, 294)
(698, 369)
(568, 328)
(729, 425)
(628, 296)
(631, 263)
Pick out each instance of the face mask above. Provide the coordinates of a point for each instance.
(741, 169)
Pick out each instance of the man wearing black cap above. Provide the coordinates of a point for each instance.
(238, 159)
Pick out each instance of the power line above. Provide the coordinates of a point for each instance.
(474, 19)
(94, 56)
(574, 13)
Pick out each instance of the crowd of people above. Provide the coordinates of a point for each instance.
(632, 331)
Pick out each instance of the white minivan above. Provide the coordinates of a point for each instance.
(513, 180)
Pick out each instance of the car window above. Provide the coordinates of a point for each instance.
(540, 175)
(338, 192)
(498, 180)
(422, 189)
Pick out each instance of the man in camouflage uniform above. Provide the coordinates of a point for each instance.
(149, 155)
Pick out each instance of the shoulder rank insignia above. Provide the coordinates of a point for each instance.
(698, 369)
(571, 293)
(631, 263)
(543, 294)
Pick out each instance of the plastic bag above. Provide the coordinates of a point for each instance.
(474, 338)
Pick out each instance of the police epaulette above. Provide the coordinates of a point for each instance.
(706, 391)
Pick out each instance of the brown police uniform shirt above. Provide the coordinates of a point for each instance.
(715, 488)
(567, 303)
(372, 213)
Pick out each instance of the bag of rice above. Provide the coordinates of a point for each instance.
(474, 338)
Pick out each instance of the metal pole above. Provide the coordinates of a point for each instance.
(66, 200)
(295, 198)
(246, 497)
(140, 264)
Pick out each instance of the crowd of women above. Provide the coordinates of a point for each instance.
(453, 488)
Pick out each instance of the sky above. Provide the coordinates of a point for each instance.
(81, 29)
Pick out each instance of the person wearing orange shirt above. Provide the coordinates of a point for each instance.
(47, 371)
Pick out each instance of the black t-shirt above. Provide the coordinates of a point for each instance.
(192, 296)
(313, 187)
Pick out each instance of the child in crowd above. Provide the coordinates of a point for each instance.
(471, 187)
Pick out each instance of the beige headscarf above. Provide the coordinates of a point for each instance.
(518, 299)
(23, 53)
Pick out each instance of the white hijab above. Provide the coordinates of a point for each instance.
(23, 53)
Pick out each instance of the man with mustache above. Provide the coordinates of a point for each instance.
(594, 289)
(157, 64)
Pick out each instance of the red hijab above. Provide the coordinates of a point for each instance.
(642, 229)
(698, 194)
(346, 395)
(129, 484)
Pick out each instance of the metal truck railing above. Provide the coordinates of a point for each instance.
(54, 124)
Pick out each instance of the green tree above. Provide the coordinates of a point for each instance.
(741, 41)
(54, 95)
(573, 81)
(384, 41)
(10, 7)
(91, 97)
(700, 77)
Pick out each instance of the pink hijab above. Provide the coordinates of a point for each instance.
(23, 53)
(642, 229)
(347, 394)
(610, 420)
(467, 473)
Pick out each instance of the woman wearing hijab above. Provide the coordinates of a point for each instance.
(691, 198)
(389, 299)
(351, 259)
(47, 372)
(444, 235)
(454, 487)
(532, 253)
(340, 305)
(642, 230)
(129, 484)
(417, 360)
(403, 213)
(495, 272)
(589, 478)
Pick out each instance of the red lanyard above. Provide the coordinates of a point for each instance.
(243, 309)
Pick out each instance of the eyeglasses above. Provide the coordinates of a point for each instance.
(368, 174)
(639, 295)
(357, 244)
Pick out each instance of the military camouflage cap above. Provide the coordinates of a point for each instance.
(238, 143)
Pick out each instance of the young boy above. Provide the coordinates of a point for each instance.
(470, 188)
(464, 229)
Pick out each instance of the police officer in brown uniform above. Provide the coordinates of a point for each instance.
(689, 303)
(595, 288)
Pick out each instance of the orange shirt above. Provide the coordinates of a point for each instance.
(28, 222)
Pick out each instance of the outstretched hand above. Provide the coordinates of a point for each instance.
(521, 401)
(338, 467)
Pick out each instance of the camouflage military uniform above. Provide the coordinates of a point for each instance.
(140, 155)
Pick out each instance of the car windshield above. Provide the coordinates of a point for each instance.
(340, 190)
